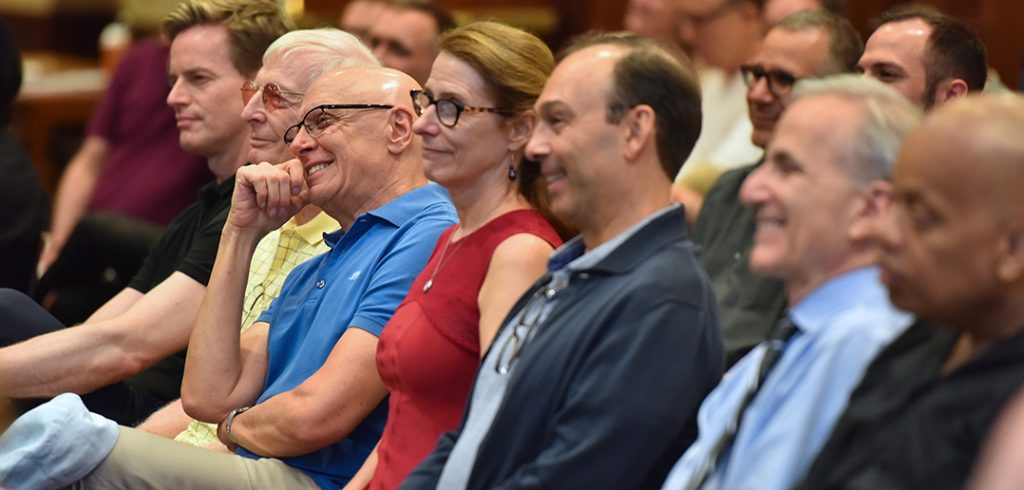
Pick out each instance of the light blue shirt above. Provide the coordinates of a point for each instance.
(54, 445)
(842, 325)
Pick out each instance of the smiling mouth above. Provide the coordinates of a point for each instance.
(555, 177)
(316, 168)
(770, 224)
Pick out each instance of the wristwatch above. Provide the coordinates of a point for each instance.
(229, 420)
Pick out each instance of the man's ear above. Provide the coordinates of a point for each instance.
(638, 127)
(519, 128)
(950, 90)
(399, 130)
(1011, 261)
(872, 206)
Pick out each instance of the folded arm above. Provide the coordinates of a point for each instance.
(322, 410)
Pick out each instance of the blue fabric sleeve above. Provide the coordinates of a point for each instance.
(395, 274)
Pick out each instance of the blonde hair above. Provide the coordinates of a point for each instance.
(252, 26)
(513, 63)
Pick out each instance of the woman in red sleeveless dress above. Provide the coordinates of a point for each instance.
(475, 119)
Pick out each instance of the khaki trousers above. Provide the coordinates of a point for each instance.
(141, 460)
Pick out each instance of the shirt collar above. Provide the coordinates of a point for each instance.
(397, 211)
(214, 192)
(572, 255)
(313, 230)
(401, 209)
(842, 292)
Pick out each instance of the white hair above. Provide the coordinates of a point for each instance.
(888, 116)
(327, 49)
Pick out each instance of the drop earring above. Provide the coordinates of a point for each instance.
(511, 168)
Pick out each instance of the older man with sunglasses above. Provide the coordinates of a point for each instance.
(804, 45)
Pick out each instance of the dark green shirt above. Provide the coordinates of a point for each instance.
(749, 305)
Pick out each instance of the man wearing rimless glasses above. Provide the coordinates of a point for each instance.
(803, 45)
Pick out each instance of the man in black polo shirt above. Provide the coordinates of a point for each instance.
(128, 356)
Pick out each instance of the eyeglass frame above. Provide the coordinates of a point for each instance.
(269, 92)
(324, 108)
(459, 107)
(530, 317)
(754, 73)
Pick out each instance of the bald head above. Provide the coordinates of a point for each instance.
(952, 246)
(356, 141)
(980, 140)
(368, 85)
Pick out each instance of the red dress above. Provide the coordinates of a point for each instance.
(430, 350)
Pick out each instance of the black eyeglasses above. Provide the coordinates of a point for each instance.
(317, 120)
(272, 95)
(526, 326)
(779, 82)
(448, 111)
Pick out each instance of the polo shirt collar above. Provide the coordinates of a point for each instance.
(401, 209)
(397, 211)
(214, 192)
(312, 232)
(661, 228)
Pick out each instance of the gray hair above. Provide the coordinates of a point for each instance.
(888, 116)
(327, 49)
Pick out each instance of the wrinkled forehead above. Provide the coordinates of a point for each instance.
(343, 87)
(820, 123)
(290, 73)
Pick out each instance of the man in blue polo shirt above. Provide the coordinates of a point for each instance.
(298, 396)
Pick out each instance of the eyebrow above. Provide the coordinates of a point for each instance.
(444, 94)
(882, 64)
(198, 71)
(553, 105)
(785, 159)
